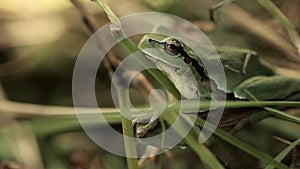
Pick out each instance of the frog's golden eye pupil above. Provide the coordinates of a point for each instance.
(173, 47)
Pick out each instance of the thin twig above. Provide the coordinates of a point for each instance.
(119, 34)
(130, 147)
(91, 23)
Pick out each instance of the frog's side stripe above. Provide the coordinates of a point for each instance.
(187, 59)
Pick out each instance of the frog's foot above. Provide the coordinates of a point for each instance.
(142, 130)
(149, 121)
(238, 125)
(234, 120)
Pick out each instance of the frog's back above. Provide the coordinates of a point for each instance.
(233, 63)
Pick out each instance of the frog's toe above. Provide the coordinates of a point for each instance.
(145, 122)
(142, 130)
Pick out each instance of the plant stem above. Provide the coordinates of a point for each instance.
(119, 34)
(276, 112)
(28, 110)
(110, 14)
(191, 139)
(130, 147)
(190, 104)
(161, 156)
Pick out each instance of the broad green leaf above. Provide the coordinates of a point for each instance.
(269, 88)
(233, 65)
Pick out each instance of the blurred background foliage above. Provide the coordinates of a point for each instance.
(39, 44)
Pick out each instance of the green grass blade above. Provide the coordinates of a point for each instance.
(284, 152)
(207, 157)
(245, 147)
(276, 112)
(273, 9)
(283, 115)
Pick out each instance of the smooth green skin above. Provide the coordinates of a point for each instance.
(255, 82)
(259, 79)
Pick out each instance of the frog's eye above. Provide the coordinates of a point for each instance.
(173, 47)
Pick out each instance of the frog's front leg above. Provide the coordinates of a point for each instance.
(150, 121)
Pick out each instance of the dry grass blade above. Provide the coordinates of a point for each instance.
(258, 28)
(275, 11)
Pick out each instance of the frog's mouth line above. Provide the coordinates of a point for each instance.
(156, 61)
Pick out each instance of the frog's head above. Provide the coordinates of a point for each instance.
(171, 52)
(173, 57)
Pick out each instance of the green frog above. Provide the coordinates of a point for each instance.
(245, 77)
